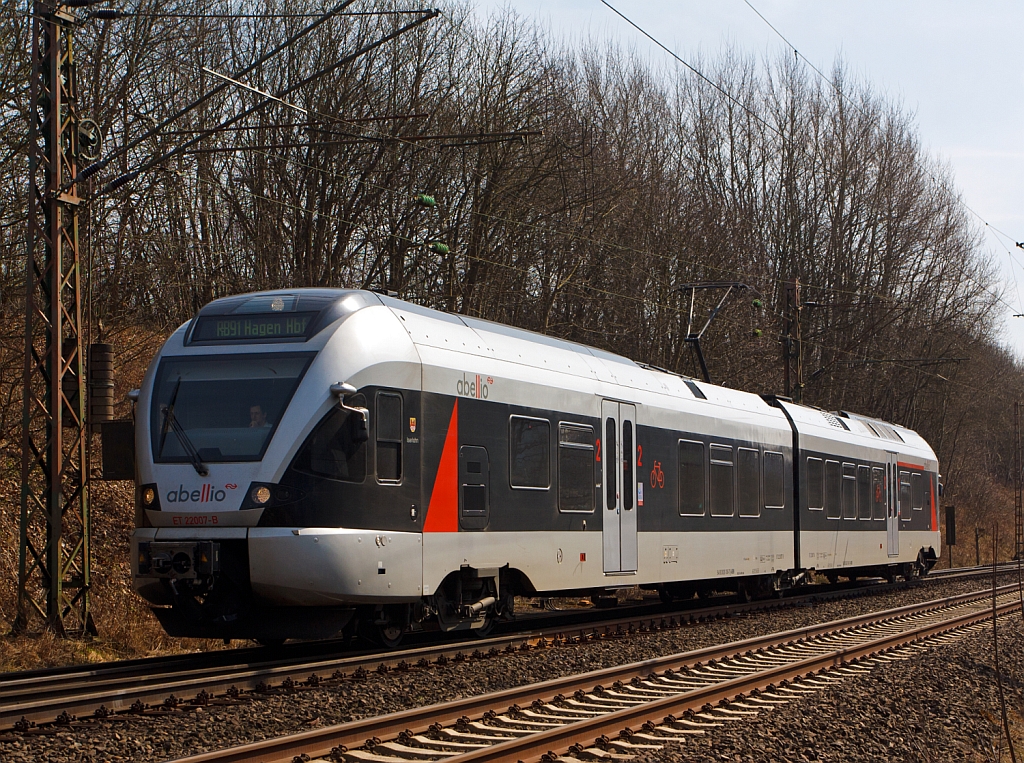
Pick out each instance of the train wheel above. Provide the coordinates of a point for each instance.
(270, 643)
(485, 630)
(389, 636)
(665, 595)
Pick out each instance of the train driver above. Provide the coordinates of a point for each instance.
(258, 417)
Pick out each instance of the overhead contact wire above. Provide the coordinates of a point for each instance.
(934, 179)
(101, 164)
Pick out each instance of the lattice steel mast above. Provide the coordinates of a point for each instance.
(1018, 487)
(53, 581)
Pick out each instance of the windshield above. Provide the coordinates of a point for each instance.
(227, 406)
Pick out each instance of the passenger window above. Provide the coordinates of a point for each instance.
(864, 492)
(333, 450)
(611, 461)
(917, 491)
(774, 481)
(389, 437)
(849, 491)
(905, 496)
(576, 481)
(691, 478)
(722, 493)
(628, 483)
(878, 492)
(833, 490)
(529, 449)
(815, 484)
(748, 482)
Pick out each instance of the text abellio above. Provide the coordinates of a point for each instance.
(472, 388)
(205, 494)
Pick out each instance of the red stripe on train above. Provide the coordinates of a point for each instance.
(443, 509)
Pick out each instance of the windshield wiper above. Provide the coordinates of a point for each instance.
(170, 422)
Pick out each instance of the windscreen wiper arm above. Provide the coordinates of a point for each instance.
(186, 444)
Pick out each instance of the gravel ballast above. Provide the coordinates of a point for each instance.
(909, 699)
(941, 705)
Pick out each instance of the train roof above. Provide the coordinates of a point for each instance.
(430, 328)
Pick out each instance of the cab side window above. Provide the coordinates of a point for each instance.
(334, 450)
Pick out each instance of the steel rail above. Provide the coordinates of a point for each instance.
(318, 742)
(40, 697)
(532, 747)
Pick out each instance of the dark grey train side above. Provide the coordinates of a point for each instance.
(308, 459)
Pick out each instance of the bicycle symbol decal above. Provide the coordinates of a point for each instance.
(657, 476)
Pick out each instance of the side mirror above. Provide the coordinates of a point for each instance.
(341, 390)
(133, 395)
(361, 432)
(941, 489)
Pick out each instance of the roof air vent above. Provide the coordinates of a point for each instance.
(834, 421)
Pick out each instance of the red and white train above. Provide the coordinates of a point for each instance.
(312, 458)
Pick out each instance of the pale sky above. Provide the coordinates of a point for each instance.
(958, 66)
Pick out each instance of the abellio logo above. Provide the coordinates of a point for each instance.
(477, 387)
(205, 494)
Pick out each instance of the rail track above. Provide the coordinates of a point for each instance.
(157, 685)
(665, 699)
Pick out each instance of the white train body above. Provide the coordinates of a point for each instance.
(495, 462)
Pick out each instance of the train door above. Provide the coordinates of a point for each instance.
(619, 501)
(892, 510)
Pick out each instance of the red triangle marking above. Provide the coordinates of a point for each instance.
(443, 510)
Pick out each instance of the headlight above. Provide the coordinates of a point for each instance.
(148, 496)
(260, 495)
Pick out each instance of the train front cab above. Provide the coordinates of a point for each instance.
(265, 544)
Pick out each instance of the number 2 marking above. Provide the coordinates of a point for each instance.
(639, 455)
(599, 450)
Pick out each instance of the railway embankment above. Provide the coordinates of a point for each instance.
(167, 734)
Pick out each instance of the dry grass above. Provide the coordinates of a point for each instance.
(126, 627)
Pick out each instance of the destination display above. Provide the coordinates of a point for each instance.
(229, 328)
